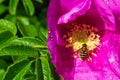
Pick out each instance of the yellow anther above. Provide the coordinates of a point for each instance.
(80, 34)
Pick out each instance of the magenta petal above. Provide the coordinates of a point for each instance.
(106, 14)
(62, 59)
(54, 12)
(114, 63)
(115, 6)
(114, 56)
(107, 59)
(75, 9)
(84, 72)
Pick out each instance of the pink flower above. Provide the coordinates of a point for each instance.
(63, 16)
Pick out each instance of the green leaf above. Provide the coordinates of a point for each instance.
(23, 47)
(3, 8)
(2, 72)
(46, 68)
(19, 50)
(3, 64)
(39, 72)
(5, 38)
(30, 75)
(52, 67)
(27, 30)
(19, 58)
(13, 6)
(23, 71)
(28, 41)
(1, 1)
(42, 36)
(24, 20)
(42, 69)
(33, 20)
(17, 71)
(30, 78)
(6, 25)
(40, 1)
(11, 18)
(29, 7)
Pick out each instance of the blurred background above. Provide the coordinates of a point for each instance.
(23, 35)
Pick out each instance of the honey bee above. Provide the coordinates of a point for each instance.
(83, 52)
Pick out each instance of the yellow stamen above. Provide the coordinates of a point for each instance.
(82, 34)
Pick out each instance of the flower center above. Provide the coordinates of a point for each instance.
(82, 38)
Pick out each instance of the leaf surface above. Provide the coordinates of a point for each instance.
(17, 70)
(13, 6)
(29, 7)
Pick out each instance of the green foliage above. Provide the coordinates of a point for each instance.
(13, 6)
(17, 70)
(23, 33)
(2, 72)
(6, 25)
(3, 8)
(43, 69)
(28, 7)
(40, 1)
(1, 1)
(5, 38)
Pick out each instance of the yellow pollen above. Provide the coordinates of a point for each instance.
(82, 34)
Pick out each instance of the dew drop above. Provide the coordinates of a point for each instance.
(75, 56)
(51, 37)
(49, 32)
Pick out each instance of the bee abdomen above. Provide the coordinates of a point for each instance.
(83, 55)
